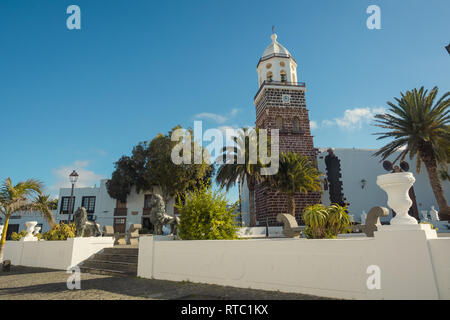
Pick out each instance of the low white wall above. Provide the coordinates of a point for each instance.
(54, 254)
(414, 264)
(259, 232)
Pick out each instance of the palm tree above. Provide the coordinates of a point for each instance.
(14, 198)
(296, 174)
(232, 171)
(44, 205)
(419, 127)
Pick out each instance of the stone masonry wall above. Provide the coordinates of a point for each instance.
(269, 108)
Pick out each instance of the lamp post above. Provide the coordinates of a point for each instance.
(73, 179)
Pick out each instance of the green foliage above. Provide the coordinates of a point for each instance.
(17, 236)
(60, 232)
(150, 164)
(229, 173)
(206, 216)
(53, 204)
(296, 174)
(326, 222)
(419, 126)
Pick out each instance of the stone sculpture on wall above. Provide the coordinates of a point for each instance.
(84, 227)
(159, 217)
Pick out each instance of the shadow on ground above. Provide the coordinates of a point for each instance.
(51, 284)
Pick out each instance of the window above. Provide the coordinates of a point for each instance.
(279, 123)
(88, 203)
(296, 125)
(65, 205)
(283, 75)
(147, 199)
(269, 76)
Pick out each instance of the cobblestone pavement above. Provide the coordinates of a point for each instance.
(34, 283)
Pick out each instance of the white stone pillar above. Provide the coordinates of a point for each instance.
(397, 186)
(30, 228)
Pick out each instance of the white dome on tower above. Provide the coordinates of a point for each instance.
(277, 65)
(275, 48)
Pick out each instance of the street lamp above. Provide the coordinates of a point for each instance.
(73, 179)
(448, 48)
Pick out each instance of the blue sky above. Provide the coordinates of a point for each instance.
(82, 98)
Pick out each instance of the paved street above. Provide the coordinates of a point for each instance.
(34, 283)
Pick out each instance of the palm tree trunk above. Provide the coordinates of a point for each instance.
(291, 204)
(436, 185)
(251, 199)
(3, 240)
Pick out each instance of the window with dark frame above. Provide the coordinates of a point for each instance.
(65, 205)
(88, 203)
(147, 199)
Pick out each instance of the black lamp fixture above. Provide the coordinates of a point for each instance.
(448, 48)
(363, 183)
(73, 179)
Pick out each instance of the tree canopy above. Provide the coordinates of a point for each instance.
(150, 164)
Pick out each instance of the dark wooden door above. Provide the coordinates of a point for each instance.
(120, 224)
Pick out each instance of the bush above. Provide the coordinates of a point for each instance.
(205, 216)
(326, 222)
(17, 236)
(60, 232)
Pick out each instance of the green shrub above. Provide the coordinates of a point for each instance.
(204, 215)
(17, 236)
(60, 232)
(326, 222)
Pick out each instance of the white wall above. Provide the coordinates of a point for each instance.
(54, 254)
(358, 164)
(408, 260)
(21, 218)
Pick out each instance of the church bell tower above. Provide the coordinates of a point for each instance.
(280, 104)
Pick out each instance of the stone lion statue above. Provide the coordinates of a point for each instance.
(159, 217)
(84, 227)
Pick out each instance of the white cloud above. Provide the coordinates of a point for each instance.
(354, 118)
(313, 125)
(87, 178)
(219, 118)
(327, 123)
(212, 116)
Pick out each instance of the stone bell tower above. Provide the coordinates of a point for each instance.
(280, 104)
